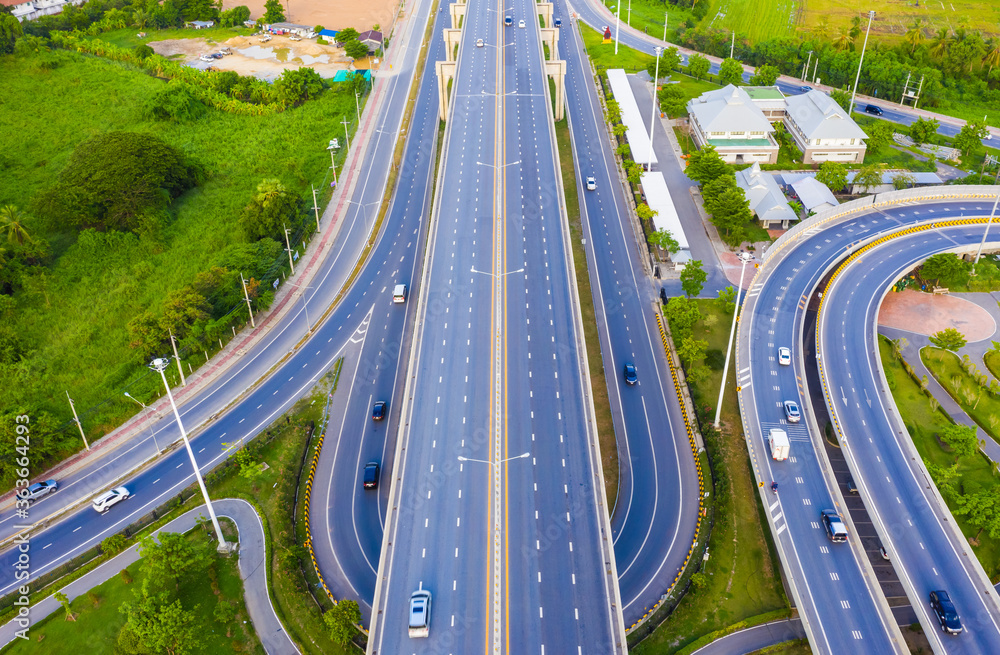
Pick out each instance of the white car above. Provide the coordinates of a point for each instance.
(784, 356)
(479, 43)
(294, 38)
(591, 183)
(105, 501)
(420, 614)
(520, 23)
(207, 58)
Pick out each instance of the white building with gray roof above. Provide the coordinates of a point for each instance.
(767, 201)
(729, 120)
(822, 130)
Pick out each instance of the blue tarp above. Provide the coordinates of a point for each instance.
(341, 76)
(330, 33)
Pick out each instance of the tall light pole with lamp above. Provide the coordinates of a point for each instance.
(979, 252)
(160, 366)
(652, 112)
(145, 410)
(744, 257)
(850, 107)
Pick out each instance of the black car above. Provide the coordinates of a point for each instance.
(630, 374)
(946, 613)
(378, 411)
(872, 109)
(853, 488)
(371, 475)
(663, 295)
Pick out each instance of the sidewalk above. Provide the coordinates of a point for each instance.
(253, 570)
(308, 266)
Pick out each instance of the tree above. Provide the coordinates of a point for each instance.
(833, 175)
(224, 613)
(10, 32)
(296, 85)
(732, 213)
(633, 173)
(712, 191)
(902, 181)
(914, 36)
(670, 60)
(614, 111)
(619, 130)
(664, 239)
(765, 75)
(682, 313)
(347, 34)
(157, 625)
(114, 178)
(730, 72)
(698, 65)
(879, 134)
(868, 177)
(172, 555)
(355, 49)
(923, 130)
(945, 266)
(270, 209)
(273, 12)
(114, 544)
(983, 510)
(992, 56)
(693, 278)
(691, 351)
(341, 620)
(644, 212)
(842, 98)
(970, 138)
(174, 102)
(948, 339)
(843, 41)
(250, 468)
(961, 439)
(727, 300)
(705, 165)
(64, 601)
(12, 223)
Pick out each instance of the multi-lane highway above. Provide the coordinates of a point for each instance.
(773, 317)
(656, 511)
(497, 494)
(927, 549)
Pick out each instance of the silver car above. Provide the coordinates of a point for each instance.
(792, 411)
(39, 489)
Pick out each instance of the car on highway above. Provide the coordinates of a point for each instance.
(370, 481)
(420, 613)
(784, 356)
(851, 487)
(378, 410)
(805, 89)
(479, 43)
(399, 294)
(882, 552)
(557, 22)
(520, 23)
(792, 411)
(631, 377)
(109, 499)
(946, 613)
(37, 490)
(872, 109)
(591, 183)
(507, 20)
(835, 528)
(663, 295)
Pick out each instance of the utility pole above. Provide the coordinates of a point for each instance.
(988, 223)
(247, 296)
(805, 70)
(732, 45)
(357, 106)
(629, 19)
(288, 247)
(906, 87)
(665, 17)
(815, 66)
(77, 419)
(346, 135)
(315, 207)
(173, 343)
(850, 108)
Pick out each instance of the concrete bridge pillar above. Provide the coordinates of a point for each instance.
(557, 71)
(445, 73)
(545, 11)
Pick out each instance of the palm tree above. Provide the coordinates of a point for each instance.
(843, 40)
(12, 222)
(941, 43)
(992, 56)
(914, 36)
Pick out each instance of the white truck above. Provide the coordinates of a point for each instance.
(778, 439)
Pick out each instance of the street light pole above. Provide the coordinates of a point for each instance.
(744, 257)
(850, 107)
(333, 164)
(652, 112)
(305, 305)
(150, 420)
(618, 24)
(805, 71)
(357, 106)
(665, 17)
(486, 461)
(288, 247)
(160, 365)
(988, 223)
(346, 135)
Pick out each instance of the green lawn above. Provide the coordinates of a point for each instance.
(992, 361)
(757, 20)
(743, 571)
(923, 423)
(129, 36)
(648, 16)
(603, 55)
(97, 626)
(689, 87)
(982, 406)
(48, 110)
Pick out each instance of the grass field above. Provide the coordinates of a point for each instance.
(743, 572)
(96, 627)
(758, 20)
(826, 17)
(975, 401)
(648, 16)
(923, 424)
(47, 111)
(603, 55)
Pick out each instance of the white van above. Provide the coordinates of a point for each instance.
(105, 501)
(399, 293)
